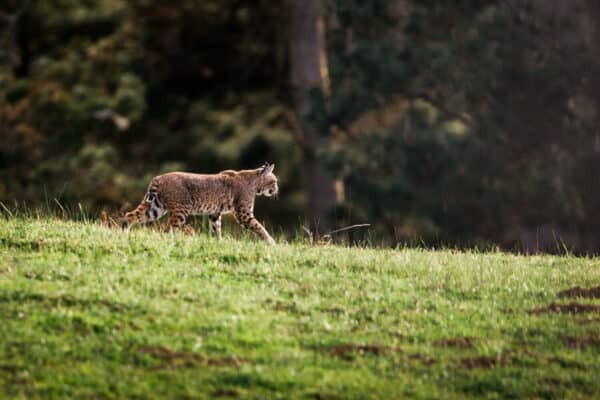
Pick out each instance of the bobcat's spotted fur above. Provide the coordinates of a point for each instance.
(182, 194)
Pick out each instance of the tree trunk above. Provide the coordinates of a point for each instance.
(309, 74)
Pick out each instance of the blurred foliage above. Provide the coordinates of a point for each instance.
(105, 94)
(472, 131)
(459, 122)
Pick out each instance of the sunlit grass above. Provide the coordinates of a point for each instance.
(87, 311)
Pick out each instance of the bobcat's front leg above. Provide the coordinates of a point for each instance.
(247, 220)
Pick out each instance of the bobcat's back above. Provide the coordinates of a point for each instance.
(195, 193)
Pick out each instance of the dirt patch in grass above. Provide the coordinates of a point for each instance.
(183, 359)
(349, 351)
(66, 301)
(12, 374)
(565, 363)
(458, 342)
(518, 357)
(571, 308)
(579, 292)
(226, 361)
(588, 321)
(481, 362)
(581, 341)
(422, 359)
(22, 244)
(233, 259)
(9, 368)
(323, 396)
(291, 308)
(286, 307)
(333, 310)
(225, 393)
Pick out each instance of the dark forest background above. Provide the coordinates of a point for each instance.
(464, 122)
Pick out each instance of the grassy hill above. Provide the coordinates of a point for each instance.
(89, 312)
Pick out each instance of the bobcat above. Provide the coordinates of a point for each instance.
(182, 194)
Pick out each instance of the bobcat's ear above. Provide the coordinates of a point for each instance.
(267, 168)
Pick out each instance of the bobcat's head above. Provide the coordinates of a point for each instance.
(267, 182)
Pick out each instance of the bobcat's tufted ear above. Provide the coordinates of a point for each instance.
(267, 168)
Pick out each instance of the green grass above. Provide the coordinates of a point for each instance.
(89, 312)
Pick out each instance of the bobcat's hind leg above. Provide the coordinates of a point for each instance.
(188, 230)
(215, 224)
(136, 216)
(177, 221)
(150, 209)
